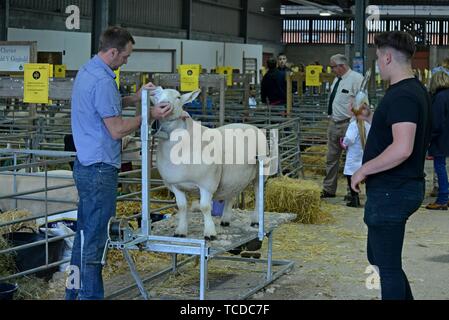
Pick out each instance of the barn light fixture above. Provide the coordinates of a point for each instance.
(325, 13)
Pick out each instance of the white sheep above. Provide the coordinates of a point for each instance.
(190, 162)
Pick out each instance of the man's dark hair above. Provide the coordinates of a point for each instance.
(115, 37)
(398, 40)
(271, 64)
(282, 54)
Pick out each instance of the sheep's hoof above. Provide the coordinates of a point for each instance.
(180, 235)
(225, 224)
(253, 245)
(236, 251)
(254, 255)
(211, 238)
(255, 224)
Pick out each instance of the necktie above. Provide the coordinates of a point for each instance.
(332, 97)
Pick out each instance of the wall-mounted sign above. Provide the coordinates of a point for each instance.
(14, 57)
(117, 77)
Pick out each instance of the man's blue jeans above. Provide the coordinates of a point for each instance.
(97, 190)
(439, 164)
(386, 214)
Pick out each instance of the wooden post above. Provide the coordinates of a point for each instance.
(222, 100)
(246, 86)
(204, 95)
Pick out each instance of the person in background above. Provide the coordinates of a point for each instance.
(354, 143)
(272, 88)
(283, 63)
(443, 67)
(439, 145)
(98, 128)
(343, 90)
(393, 161)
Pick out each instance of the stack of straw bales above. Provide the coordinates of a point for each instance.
(314, 159)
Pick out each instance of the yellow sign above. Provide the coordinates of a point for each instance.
(60, 70)
(313, 76)
(117, 77)
(189, 76)
(35, 84)
(226, 71)
(378, 79)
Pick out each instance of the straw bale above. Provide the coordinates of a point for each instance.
(13, 215)
(301, 197)
(314, 159)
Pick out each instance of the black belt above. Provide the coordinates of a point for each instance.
(341, 121)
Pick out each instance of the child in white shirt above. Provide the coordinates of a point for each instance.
(354, 144)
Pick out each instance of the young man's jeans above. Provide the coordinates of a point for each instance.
(97, 190)
(439, 164)
(386, 214)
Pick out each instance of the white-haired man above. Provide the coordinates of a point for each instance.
(344, 88)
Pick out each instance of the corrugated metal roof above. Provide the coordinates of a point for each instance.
(349, 3)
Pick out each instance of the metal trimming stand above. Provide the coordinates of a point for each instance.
(122, 237)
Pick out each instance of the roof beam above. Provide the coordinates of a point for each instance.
(316, 5)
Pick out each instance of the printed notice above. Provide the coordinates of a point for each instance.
(313, 76)
(60, 70)
(189, 76)
(35, 84)
(228, 72)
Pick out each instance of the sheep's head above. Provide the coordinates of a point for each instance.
(175, 99)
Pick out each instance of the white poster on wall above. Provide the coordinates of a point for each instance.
(13, 58)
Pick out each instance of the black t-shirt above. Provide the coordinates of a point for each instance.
(405, 101)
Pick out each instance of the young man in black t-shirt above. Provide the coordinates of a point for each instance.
(393, 163)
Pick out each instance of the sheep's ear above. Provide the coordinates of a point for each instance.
(189, 97)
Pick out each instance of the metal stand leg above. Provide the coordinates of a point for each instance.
(174, 259)
(105, 253)
(135, 275)
(270, 256)
(203, 275)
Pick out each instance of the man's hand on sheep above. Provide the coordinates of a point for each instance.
(161, 110)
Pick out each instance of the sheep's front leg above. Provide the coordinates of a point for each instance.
(205, 207)
(227, 212)
(181, 201)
